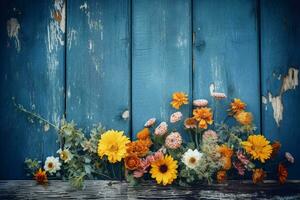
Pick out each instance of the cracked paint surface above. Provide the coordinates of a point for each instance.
(13, 27)
(290, 82)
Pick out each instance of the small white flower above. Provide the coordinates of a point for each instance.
(191, 158)
(52, 164)
(65, 155)
(218, 95)
(150, 122)
(175, 117)
(161, 129)
(289, 157)
(200, 102)
(125, 115)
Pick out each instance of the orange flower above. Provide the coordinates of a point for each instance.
(190, 123)
(132, 162)
(143, 134)
(225, 151)
(147, 142)
(275, 149)
(237, 106)
(138, 148)
(221, 176)
(41, 177)
(282, 173)
(203, 116)
(258, 175)
(244, 118)
(179, 98)
(226, 163)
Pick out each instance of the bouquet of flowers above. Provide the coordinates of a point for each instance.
(214, 151)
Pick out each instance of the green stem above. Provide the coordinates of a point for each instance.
(104, 175)
(22, 109)
(196, 138)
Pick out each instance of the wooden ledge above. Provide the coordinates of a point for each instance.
(27, 189)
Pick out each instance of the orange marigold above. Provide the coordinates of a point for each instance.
(258, 175)
(275, 149)
(282, 173)
(190, 123)
(225, 151)
(237, 106)
(132, 162)
(41, 177)
(179, 98)
(138, 148)
(143, 134)
(221, 176)
(204, 116)
(244, 118)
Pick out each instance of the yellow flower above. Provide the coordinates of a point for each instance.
(244, 118)
(258, 147)
(204, 116)
(179, 98)
(164, 170)
(113, 145)
(237, 106)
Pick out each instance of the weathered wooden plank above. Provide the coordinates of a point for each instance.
(98, 71)
(226, 53)
(280, 55)
(32, 71)
(147, 190)
(161, 62)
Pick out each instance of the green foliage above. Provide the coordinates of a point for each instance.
(31, 166)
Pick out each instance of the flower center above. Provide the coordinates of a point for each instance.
(114, 148)
(192, 160)
(50, 165)
(64, 155)
(163, 168)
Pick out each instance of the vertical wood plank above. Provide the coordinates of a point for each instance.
(280, 55)
(161, 62)
(226, 53)
(98, 70)
(32, 71)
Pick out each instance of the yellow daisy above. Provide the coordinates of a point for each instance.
(113, 145)
(164, 170)
(244, 118)
(179, 98)
(258, 147)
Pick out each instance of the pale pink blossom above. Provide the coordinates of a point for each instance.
(200, 102)
(210, 134)
(289, 157)
(173, 141)
(161, 129)
(244, 160)
(175, 117)
(150, 122)
(240, 168)
(218, 95)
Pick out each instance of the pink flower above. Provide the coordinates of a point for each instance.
(240, 168)
(210, 134)
(146, 162)
(173, 141)
(289, 157)
(175, 117)
(150, 122)
(161, 129)
(244, 160)
(218, 95)
(200, 102)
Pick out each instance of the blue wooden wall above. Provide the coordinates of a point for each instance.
(91, 60)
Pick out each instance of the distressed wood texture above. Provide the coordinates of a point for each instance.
(280, 56)
(226, 54)
(32, 71)
(161, 58)
(98, 70)
(148, 190)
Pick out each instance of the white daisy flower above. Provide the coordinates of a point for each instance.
(52, 164)
(65, 155)
(191, 158)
